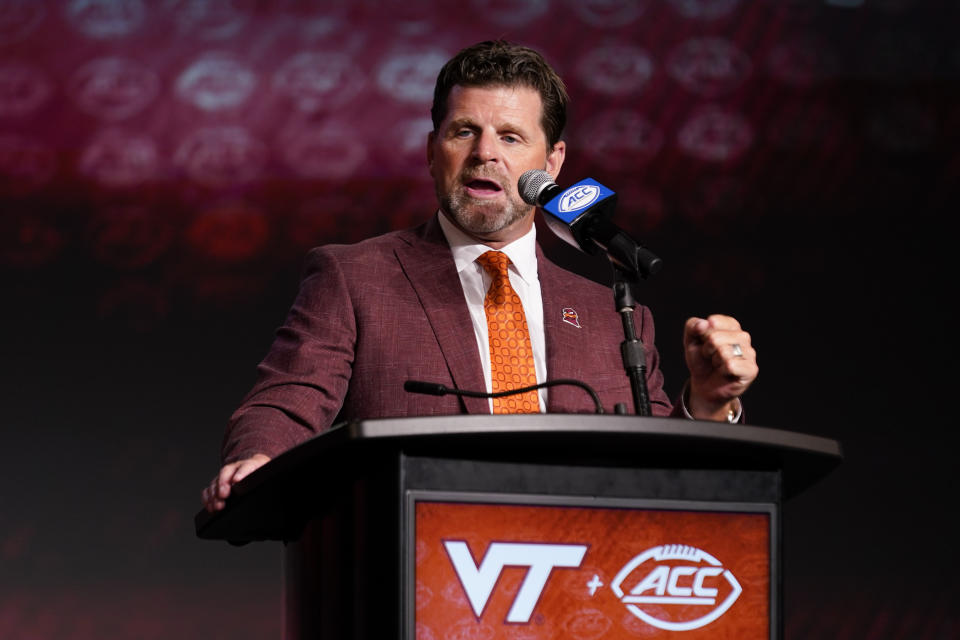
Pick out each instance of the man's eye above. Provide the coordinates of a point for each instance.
(510, 139)
(463, 133)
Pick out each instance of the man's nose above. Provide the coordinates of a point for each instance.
(485, 148)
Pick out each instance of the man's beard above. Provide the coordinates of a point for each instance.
(480, 216)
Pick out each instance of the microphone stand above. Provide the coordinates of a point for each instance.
(632, 351)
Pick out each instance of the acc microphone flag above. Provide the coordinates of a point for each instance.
(580, 216)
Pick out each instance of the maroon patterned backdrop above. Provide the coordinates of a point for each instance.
(165, 164)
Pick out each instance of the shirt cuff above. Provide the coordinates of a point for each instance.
(733, 417)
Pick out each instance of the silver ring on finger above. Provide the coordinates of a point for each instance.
(737, 350)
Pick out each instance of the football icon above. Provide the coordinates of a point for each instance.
(676, 587)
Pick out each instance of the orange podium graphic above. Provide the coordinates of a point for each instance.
(487, 571)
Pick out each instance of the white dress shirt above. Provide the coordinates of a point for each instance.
(523, 278)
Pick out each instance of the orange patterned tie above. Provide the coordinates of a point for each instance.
(511, 357)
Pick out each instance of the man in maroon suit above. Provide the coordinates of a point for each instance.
(410, 304)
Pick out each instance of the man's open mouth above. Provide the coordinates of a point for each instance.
(482, 186)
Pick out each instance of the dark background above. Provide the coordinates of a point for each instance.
(165, 165)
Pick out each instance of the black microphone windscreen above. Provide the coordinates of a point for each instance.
(532, 183)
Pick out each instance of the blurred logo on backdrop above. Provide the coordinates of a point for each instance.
(315, 80)
(230, 231)
(25, 164)
(210, 19)
(216, 81)
(410, 76)
(802, 62)
(220, 156)
(130, 237)
(608, 13)
(330, 150)
(511, 13)
(19, 18)
(113, 88)
(708, 67)
(619, 138)
(704, 9)
(615, 69)
(105, 19)
(23, 89)
(715, 134)
(29, 240)
(117, 158)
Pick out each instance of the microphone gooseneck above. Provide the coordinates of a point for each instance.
(438, 389)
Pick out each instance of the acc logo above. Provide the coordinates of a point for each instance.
(682, 582)
(579, 197)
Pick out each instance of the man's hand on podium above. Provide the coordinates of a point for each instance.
(215, 494)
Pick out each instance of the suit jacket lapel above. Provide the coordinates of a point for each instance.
(564, 341)
(428, 265)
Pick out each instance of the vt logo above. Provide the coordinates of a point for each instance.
(478, 581)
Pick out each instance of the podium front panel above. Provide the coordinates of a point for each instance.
(496, 565)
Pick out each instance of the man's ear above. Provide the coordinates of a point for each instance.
(555, 159)
(430, 138)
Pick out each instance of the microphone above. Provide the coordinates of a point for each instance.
(437, 389)
(580, 216)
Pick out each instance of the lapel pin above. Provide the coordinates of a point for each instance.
(570, 317)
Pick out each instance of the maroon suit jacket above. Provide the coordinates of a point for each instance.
(371, 315)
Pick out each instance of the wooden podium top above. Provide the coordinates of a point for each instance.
(263, 499)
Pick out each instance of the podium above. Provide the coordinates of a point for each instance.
(529, 526)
